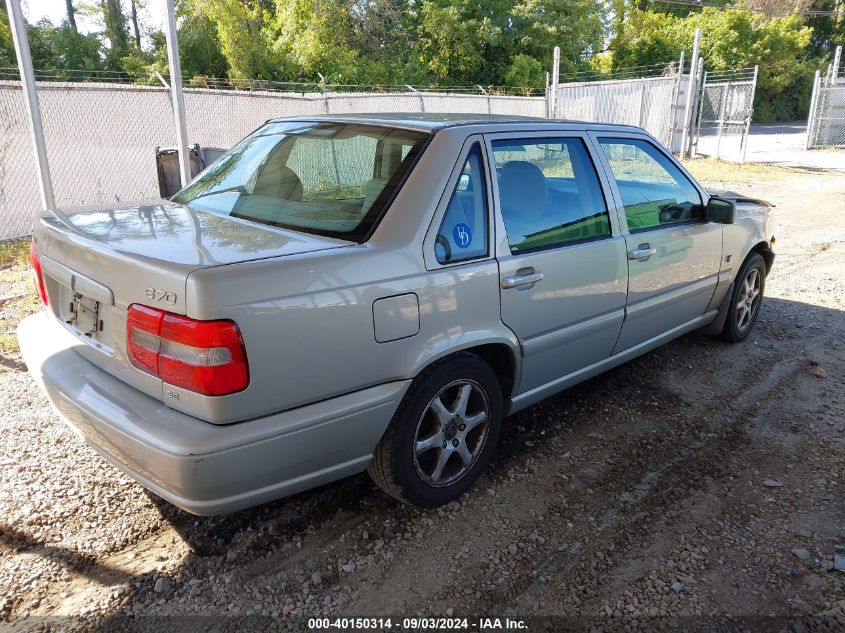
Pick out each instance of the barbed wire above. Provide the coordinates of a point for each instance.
(630, 72)
(260, 85)
(11, 73)
(735, 74)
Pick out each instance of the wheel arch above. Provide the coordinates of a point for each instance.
(765, 250)
(502, 361)
(502, 356)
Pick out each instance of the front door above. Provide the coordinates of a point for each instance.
(563, 272)
(673, 253)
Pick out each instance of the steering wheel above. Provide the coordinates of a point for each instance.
(671, 212)
(443, 242)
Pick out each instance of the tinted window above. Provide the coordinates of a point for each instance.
(463, 231)
(653, 190)
(549, 193)
(327, 178)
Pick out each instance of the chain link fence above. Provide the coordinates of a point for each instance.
(826, 123)
(648, 102)
(724, 114)
(18, 178)
(101, 137)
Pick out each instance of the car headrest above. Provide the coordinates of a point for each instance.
(522, 188)
(278, 181)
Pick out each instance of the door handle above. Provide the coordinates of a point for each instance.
(523, 277)
(642, 252)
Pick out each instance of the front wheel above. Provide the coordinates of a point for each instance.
(443, 435)
(746, 299)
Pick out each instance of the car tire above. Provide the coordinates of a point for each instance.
(432, 453)
(746, 299)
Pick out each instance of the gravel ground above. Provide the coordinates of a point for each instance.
(698, 486)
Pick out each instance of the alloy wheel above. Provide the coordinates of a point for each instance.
(451, 433)
(749, 299)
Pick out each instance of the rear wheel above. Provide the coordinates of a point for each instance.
(746, 299)
(443, 435)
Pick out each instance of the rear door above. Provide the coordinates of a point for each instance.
(673, 253)
(563, 273)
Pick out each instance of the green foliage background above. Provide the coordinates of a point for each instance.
(442, 42)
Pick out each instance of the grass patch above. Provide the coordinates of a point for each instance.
(17, 296)
(712, 170)
(14, 252)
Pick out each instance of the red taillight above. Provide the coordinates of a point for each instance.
(203, 356)
(37, 276)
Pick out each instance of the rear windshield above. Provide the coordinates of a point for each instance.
(332, 179)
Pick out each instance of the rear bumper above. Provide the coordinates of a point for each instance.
(204, 468)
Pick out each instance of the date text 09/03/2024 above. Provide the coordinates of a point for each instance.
(416, 624)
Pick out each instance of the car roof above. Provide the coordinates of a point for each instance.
(431, 121)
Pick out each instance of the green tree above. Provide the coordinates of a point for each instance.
(525, 71)
(7, 44)
(116, 32)
(314, 37)
(828, 31)
(63, 48)
(200, 50)
(452, 42)
(245, 40)
(383, 33)
(577, 26)
(730, 39)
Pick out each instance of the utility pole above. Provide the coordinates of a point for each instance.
(555, 81)
(690, 89)
(176, 92)
(36, 128)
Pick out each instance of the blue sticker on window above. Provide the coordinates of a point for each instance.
(462, 235)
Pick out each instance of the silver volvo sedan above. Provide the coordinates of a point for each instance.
(376, 292)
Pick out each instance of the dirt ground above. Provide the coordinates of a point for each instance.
(699, 487)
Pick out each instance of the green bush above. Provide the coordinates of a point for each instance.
(731, 39)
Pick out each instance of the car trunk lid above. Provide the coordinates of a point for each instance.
(97, 263)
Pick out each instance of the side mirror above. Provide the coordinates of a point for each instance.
(720, 210)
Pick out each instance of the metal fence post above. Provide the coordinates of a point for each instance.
(750, 114)
(642, 104)
(690, 87)
(811, 115)
(837, 59)
(486, 94)
(548, 96)
(419, 94)
(555, 81)
(673, 111)
(36, 127)
(176, 92)
(697, 113)
(725, 90)
(325, 95)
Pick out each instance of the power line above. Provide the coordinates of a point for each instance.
(753, 9)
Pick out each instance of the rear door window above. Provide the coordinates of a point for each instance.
(549, 193)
